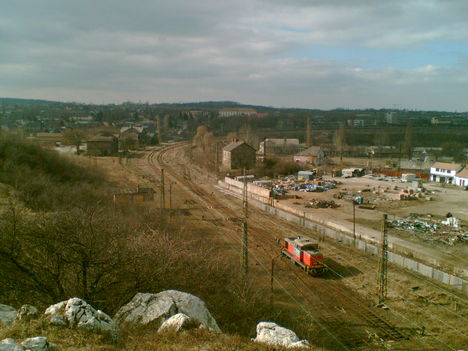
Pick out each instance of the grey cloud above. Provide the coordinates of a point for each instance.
(183, 50)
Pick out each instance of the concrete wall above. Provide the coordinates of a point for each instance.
(251, 188)
(341, 234)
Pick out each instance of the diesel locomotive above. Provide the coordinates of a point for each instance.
(305, 253)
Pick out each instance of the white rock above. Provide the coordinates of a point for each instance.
(273, 334)
(39, 343)
(145, 308)
(179, 321)
(27, 312)
(54, 309)
(7, 315)
(8, 341)
(58, 320)
(10, 344)
(77, 313)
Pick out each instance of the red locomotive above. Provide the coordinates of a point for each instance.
(304, 252)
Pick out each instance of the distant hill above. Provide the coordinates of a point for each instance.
(18, 101)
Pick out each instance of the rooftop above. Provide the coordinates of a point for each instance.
(463, 173)
(311, 151)
(445, 165)
(235, 144)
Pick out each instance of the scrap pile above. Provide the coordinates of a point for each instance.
(292, 183)
(448, 231)
(414, 225)
(321, 204)
(314, 186)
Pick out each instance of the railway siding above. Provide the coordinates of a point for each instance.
(339, 233)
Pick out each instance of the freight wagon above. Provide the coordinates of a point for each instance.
(304, 252)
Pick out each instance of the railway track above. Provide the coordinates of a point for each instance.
(349, 321)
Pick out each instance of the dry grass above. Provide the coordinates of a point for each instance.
(134, 339)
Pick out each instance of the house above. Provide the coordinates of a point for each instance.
(312, 156)
(238, 154)
(137, 135)
(461, 178)
(238, 111)
(102, 145)
(279, 146)
(442, 172)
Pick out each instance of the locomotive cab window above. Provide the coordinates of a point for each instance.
(312, 247)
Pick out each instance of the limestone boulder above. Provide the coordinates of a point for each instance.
(77, 313)
(27, 313)
(10, 344)
(179, 322)
(7, 315)
(273, 334)
(38, 343)
(147, 308)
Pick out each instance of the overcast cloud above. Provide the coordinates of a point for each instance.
(298, 53)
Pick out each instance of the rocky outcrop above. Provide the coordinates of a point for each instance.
(147, 308)
(273, 334)
(77, 313)
(10, 345)
(179, 322)
(27, 312)
(7, 315)
(38, 343)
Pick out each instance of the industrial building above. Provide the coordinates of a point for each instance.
(102, 145)
(312, 156)
(238, 155)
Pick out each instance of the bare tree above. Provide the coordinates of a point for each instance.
(74, 137)
(199, 135)
(231, 136)
(408, 143)
(247, 134)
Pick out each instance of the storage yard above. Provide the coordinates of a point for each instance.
(418, 210)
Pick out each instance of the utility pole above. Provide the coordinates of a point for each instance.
(382, 277)
(245, 235)
(163, 195)
(170, 195)
(216, 160)
(399, 157)
(271, 280)
(354, 221)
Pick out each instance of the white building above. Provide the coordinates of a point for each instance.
(461, 178)
(238, 111)
(442, 172)
(391, 118)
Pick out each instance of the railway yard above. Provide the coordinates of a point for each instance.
(338, 310)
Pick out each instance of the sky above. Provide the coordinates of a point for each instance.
(404, 54)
